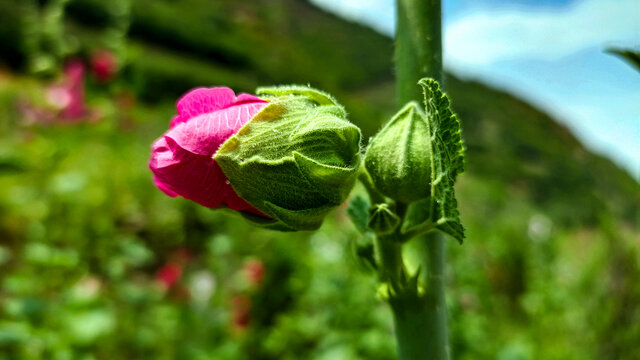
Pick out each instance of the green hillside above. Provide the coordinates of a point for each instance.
(508, 139)
(291, 41)
(271, 41)
(178, 46)
(549, 269)
(264, 42)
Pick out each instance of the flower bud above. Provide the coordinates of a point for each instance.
(399, 159)
(382, 220)
(296, 160)
(283, 160)
(104, 65)
(182, 159)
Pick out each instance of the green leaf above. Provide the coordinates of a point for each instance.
(418, 216)
(632, 57)
(364, 251)
(358, 211)
(447, 153)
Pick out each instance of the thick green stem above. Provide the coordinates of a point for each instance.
(434, 249)
(421, 321)
(420, 317)
(391, 268)
(418, 51)
(412, 331)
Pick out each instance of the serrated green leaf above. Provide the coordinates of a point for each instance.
(445, 127)
(447, 158)
(358, 211)
(364, 251)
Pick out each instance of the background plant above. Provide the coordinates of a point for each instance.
(554, 276)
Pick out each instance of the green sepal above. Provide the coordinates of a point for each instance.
(295, 160)
(320, 97)
(382, 220)
(332, 182)
(398, 158)
(291, 220)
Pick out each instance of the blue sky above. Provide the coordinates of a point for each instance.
(548, 52)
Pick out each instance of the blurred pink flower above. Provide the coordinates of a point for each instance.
(169, 274)
(69, 96)
(182, 159)
(254, 271)
(241, 312)
(34, 115)
(104, 65)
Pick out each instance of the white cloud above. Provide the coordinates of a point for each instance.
(488, 36)
(379, 14)
(613, 129)
(552, 58)
(548, 55)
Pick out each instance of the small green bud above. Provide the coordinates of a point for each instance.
(399, 157)
(382, 220)
(295, 160)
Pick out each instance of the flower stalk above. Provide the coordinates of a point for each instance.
(421, 320)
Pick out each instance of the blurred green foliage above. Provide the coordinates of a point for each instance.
(550, 269)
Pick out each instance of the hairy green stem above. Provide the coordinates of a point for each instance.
(391, 269)
(421, 321)
(418, 51)
(409, 314)
(434, 249)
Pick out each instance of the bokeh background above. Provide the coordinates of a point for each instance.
(96, 263)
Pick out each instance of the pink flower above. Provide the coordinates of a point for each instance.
(74, 84)
(241, 312)
(169, 274)
(104, 65)
(182, 159)
(69, 96)
(254, 271)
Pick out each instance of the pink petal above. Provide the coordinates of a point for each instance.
(74, 84)
(163, 187)
(206, 100)
(193, 176)
(175, 121)
(203, 134)
(201, 101)
(243, 97)
(182, 160)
